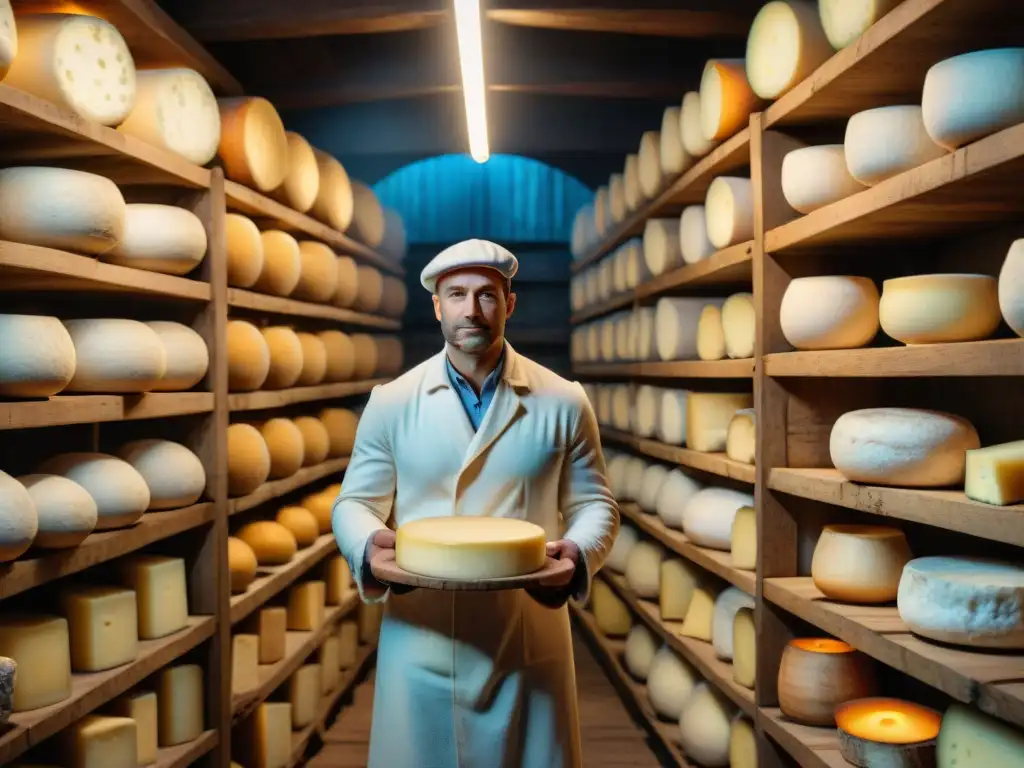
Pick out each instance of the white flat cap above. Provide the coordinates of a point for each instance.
(469, 253)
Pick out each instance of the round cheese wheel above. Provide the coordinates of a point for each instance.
(8, 37)
(314, 360)
(661, 245)
(643, 569)
(241, 565)
(729, 211)
(693, 235)
(646, 405)
(649, 166)
(617, 466)
(370, 289)
(641, 646)
(394, 296)
(394, 244)
(708, 516)
(341, 425)
(677, 321)
(365, 355)
(611, 615)
(670, 681)
(690, 132)
(248, 356)
(271, 542)
(726, 99)
(710, 336)
(650, 486)
(282, 264)
(884, 142)
(785, 44)
(120, 492)
(175, 109)
(185, 354)
(321, 506)
(973, 95)
(38, 358)
(334, 202)
(316, 441)
(844, 21)
(675, 493)
(302, 179)
(348, 282)
(617, 197)
(20, 521)
(285, 357)
(174, 475)
(389, 355)
(813, 177)
(908, 447)
(341, 355)
(367, 216)
(859, 563)
(829, 312)
(1011, 289)
(286, 446)
(618, 556)
(705, 723)
(621, 403)
(301, 523)
(65, 511)
(728, 603)
(248, 459)
(631, 182)
(160, 238)
(77, 62)
(932, 309)
(674, 157)
(115, 355)
(61, 208)
(253, 145)
(602, 210)
(739, 326)
(672, 416)
(244, 248)
(318, 273)
(644, 333)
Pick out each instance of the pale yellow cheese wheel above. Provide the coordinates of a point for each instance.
(348, 282)
(67, 512)
(248, 356)
(341, 425)
(320, 506)
(394, 296)
(367, 216)
(285, 445)
(334, 202)
(370, 289)
(315, 440)
(302, 179)
(314, 359)
(341, 355)
(282, 264)
(186, 356)
(318, 279)
(248, 459)
(38, 357)
(20, 523)
(244, 250)
(253, 145)
(301, 523)
(285, 357)
(160, 238)
(365, 356)
(241, 564)
(390, 355)
(115, 355)
(271, 542)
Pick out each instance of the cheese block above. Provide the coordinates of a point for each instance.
(994, 81)
(245, 661)
(120, 492)
(186, 358)
(887, 141)
(338, 578)
(241, 564)
(40, 646)
(301, 522)
(710, 336)
(844, 21)
(395, 242)
(272, 628)
(690, 131)
(993, 474)
(726, 100)
(365, 356)
(816, 176)
(175, 109)
(180, 704)
(318, 272)
(271, 542)
(341, 356)
(314, 360)
(829, 312)
(934, 309)
(371, 289)
(679, 579)
(248, 356)
(675, 494)
(282, 263)
(1011, 290)
(661, 245)
(99, 741)
(909, 447)
(8, 37)
(631, 179)
(161, 593)
(677, 321)
(38, 358)
(618, 556)
(141, 706)
(174, 475)
(470, 548)
(244, 248)
(969, 737)
(264, 740)
(699, 620)
(708, 516)
(61, 208)
(643, 569)
(316, 442)
(394, 296)
(650, 486)
(103, 626)
(969, 601)
(301, 181)
(341, 426)
(741, 437)
(641, 646)
(330, 665)
(348, 282)
(729, 211)
(77, 62)
(705, 725)
(64, 511)
(611, 615)
(859, 563)
(286, 361)
(348, 642)
(248, 459)
(743, 539)
(367, 224)
(304, 694)
(20, 520)
(744, 648)
(159, 238)
(708, 415)
(646, 404)
(335, 203)
(742, 743)
(786, 43)
(306, 606)
(670, 682)
(253, 146)
(674, 157)
(738, 325)
(649, 166)
(693, 235)
(115, 355)
(672, 416)
(728, 604)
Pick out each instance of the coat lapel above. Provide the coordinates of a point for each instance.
(446, 400)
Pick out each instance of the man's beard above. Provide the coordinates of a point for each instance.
(470, 343)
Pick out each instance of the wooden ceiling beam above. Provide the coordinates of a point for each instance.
(660, 23)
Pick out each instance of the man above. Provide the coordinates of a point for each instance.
(476, 679)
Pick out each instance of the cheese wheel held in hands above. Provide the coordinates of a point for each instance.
(470, 548)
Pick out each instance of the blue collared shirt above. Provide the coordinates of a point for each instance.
(475, 405)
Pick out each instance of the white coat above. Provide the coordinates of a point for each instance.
(476, 679)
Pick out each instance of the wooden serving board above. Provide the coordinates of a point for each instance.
(385, 568)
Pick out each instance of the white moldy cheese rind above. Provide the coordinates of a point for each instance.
(8, 37)
(175, 109)
(785, 44)
(729, 211)
(1011, 287)
(675, 492)
(968, 601)
(829, 312)
(640, 649)
(708, 415)
(690, 131)
(649, 167)
(704, 726)
(741, 439)
(672, 416)
(20, 522)
(995, 474)
(884, 142)
(115, 355)
(670, 681)
(160, 238)
(78, 62)
(38, 357)
(970, 738)
(693, 235)
(844, 21)
(674, 157)
(816, 176)
(174, 475)
(185, 353)
(726, 100)
(120, 492)
(728, 604)
(738, 325)
(709, 514)
(909, 447)
(935, 309)
(65, 511)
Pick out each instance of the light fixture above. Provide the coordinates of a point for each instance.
(471, 61)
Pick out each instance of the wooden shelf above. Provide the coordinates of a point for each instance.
(951, 510)
(184, 755)
(992, 681)
(277, 305)
(675, 369)
(89, 691)
(714, 463)
(273, 580)
(718, 563)
(621, 301)
(88, 409)
(996, 357)
(277, 488)
(252, 401)
(810, 747)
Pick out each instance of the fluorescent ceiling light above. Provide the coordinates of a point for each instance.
(471, 61)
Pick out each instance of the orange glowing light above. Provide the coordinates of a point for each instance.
(821, 645)
(888, 721)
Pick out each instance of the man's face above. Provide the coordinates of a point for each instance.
(472, 308)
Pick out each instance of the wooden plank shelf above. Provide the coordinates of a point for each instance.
(714, 463)
(42, 567)
(88, 409)
(991, 680)
(621, 301)
(277, 305)
(184, 755)
(675, 369)
(718, 563)
(89, 691)
(277, 488)
(951, 510)
(811, 747)
(271, 580)
(252, 401)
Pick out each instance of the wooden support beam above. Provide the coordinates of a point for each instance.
(660, 23)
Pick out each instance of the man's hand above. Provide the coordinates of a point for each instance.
(371, 584)
(553, 591)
